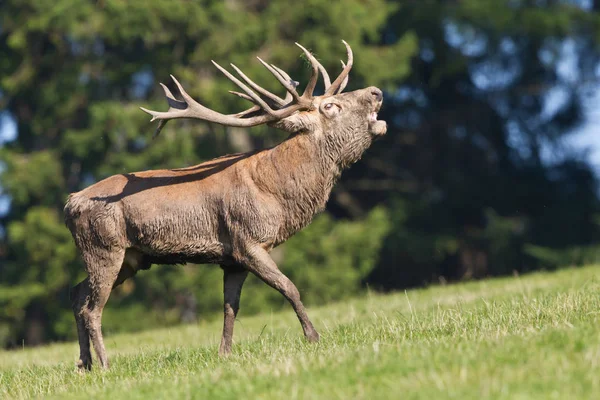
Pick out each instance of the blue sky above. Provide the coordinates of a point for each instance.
(8, 128)
(588, 135)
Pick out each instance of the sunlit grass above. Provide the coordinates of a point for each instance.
(531, 337)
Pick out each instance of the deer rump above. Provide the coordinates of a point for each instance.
(231, 210)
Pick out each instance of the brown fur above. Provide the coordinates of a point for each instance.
(230, 211)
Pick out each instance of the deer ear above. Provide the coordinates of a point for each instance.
(301, 121)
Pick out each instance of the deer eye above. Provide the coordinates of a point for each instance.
(332, 107)
(330, 110)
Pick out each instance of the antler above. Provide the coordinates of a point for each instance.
(268, 108)
(341, 81)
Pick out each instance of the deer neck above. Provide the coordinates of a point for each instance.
(299, 175)
(301, 172)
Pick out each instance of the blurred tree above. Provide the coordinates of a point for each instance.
(480, 125)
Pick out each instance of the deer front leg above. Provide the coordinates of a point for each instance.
(233, 280)
(259, 262)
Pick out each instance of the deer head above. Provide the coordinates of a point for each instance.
(345, 122)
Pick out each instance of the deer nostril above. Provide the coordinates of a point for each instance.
(377, 94)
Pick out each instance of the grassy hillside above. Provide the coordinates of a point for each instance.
(536, 336)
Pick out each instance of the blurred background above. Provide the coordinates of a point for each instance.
(489, 166)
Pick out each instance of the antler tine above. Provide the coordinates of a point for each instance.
(251, 110)
(334, 88)
(271, 103)
(177, 109)
(242, 95)
(284, 75)
(256, 98)
(345, 81)
(316, 63)
(278, 101)
(286, 84)
(326, 78)
(312, 83)
(186, 97)
(174, 104)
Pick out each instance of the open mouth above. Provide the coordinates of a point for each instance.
(373, 114)
(377, 127)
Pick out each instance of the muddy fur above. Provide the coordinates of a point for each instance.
(230, 211)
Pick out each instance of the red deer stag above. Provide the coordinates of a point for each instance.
(230, 211)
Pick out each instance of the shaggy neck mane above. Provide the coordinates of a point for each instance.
(301, 172)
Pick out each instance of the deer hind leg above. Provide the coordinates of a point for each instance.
(259, 262)
(233, 280)
(103, 267)
(79, 295)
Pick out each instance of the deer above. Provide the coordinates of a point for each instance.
(232, 210)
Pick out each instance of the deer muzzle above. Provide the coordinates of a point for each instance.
(376, 127)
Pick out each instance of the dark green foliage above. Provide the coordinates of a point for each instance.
(484, 165)
(330, 259)
(459, 188)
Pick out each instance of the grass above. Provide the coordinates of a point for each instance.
(528, 337)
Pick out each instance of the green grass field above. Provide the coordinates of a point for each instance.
(536, 336)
